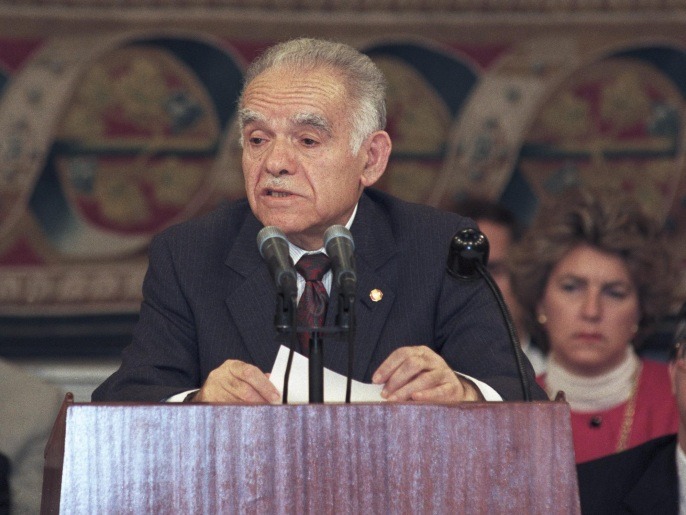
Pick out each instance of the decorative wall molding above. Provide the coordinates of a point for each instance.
(62, 289)
(227, 12)
(394, 6)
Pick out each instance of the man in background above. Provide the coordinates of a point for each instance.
(502, 229)
(650, 478)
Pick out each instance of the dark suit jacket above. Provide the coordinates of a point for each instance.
(639, 480)
(209, 297)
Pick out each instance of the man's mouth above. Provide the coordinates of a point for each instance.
(278, 194)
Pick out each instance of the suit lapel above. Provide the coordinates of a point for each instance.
(374, 247)
(251, 300)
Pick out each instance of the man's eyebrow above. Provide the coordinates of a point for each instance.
(313, 120)
(247, 116)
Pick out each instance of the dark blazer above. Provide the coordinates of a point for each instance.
(642, 479)
(209, 297)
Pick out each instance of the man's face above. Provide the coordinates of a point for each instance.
(300, 173)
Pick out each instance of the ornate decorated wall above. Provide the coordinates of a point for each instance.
(117, 118)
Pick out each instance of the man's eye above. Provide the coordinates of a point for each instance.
(309, 142)
(256, 140)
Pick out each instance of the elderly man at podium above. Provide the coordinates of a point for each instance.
(312, 117)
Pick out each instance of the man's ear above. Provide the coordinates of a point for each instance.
(378, 149)
(672, 375)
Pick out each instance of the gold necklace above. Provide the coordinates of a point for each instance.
(629, 412)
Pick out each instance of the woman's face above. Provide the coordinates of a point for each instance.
(592, 311)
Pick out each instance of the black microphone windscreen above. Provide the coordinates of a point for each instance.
(338, 231)
(339, 245)
(467, 248)
(266, 234)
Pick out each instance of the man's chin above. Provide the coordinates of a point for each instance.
(293, 231)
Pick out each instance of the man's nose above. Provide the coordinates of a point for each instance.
(280, 159)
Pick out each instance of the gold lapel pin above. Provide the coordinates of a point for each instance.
(376, 295)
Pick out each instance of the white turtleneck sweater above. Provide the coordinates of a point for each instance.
(588, 394)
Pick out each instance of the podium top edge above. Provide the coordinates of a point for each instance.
(337, 405)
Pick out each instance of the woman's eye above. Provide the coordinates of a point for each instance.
(617, 293)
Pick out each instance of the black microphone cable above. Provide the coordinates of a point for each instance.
(467, 260)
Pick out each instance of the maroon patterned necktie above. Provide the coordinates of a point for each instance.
(314, 300)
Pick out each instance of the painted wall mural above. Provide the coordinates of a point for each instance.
(105, 140)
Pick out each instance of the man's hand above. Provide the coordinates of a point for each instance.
(237, 382)
(419, 374)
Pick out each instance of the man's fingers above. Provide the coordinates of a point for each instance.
(258, 382)
(419, 374)
(236, 381)
(425, 379)
(415, 361)
(445, 392)
(397, 359)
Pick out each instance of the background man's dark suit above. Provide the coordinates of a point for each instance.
(641, 480)
(209, 297)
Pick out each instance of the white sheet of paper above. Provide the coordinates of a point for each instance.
(334, 383)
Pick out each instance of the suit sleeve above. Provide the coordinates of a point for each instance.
(162, 359)
(473, 338)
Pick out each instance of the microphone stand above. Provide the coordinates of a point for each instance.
(316, 367)
(345, 320)
(285, 321)
(338, 242)
(345, 323)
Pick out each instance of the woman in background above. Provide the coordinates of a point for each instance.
(592, 273)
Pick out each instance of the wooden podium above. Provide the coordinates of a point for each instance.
(334, 458)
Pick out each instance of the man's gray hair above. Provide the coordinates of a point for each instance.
(363, 80)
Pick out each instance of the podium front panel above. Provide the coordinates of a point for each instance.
(359, 458)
